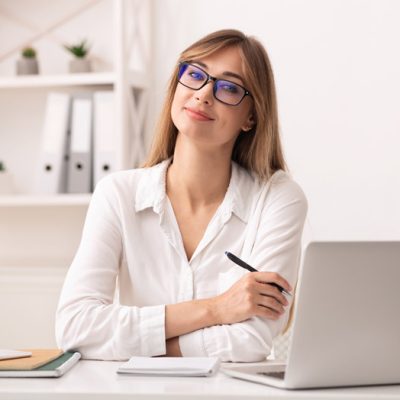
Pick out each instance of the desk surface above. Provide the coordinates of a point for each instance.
(98, 380)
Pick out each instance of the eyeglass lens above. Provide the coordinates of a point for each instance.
(195, 78)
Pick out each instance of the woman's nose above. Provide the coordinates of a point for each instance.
(205, 94)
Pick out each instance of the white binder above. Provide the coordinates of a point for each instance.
(105, 143)
(52, 173)
(80, 156)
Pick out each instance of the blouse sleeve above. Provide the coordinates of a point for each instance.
(277, 248)
(87, 320)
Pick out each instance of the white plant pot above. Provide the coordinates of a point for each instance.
(6, 183)
(79, 65)
(27, 66)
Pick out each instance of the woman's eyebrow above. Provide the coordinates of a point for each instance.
(226, 73)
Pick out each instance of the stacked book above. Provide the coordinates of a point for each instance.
(45, 363)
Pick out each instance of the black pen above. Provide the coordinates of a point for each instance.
(244, 265)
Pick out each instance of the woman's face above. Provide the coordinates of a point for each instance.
(198, 115)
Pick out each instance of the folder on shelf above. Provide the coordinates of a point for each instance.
(104, 140)
(53, 162)
(80, 156)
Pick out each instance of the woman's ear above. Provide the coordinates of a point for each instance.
(249, 124)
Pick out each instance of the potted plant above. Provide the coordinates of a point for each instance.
(28, 64)
(6, 184)
(80, 63)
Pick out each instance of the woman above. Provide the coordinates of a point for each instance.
(214, 181)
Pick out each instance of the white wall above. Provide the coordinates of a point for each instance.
(337, 69)
(23, 19)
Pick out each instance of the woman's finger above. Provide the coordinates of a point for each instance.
(271, 303)
(266, 312)
(273, 277)
(268, 290)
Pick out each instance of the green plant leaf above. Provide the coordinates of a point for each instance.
(28, 52)
(79, 50)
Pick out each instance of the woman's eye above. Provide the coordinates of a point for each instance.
(229, 88)
(196, 75)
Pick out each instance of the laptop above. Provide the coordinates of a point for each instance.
(346, 329)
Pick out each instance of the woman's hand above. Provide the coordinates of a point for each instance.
(252, 296)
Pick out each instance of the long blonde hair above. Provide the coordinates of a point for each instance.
(258, 150)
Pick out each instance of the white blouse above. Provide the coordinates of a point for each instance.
(131, 263)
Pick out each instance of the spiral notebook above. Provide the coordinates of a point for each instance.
(171, 366)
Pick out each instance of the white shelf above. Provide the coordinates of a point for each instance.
(44, 200)
(29, 268)
(136, 79)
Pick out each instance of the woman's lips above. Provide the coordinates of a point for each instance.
(198, 115)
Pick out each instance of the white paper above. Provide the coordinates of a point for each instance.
(10, 354)
(171, 366)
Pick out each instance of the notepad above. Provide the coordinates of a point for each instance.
(171, 366)
(38, 358)
(52, 369)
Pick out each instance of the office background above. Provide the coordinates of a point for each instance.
(336, 66)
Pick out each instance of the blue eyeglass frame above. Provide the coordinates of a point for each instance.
(214, 80)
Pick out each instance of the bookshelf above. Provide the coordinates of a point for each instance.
(135, 79)
(44, 201)
(121, 30)
(53, 81)
(39, 234)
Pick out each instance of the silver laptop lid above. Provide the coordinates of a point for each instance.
(347, 326)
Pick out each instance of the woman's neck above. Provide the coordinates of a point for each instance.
(198, 177)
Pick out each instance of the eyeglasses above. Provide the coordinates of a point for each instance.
(226, 92)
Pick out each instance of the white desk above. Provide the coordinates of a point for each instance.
(90, 380)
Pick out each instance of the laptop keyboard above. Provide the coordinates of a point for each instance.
(278, 375)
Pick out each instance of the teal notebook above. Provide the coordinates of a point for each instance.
(53, 369)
